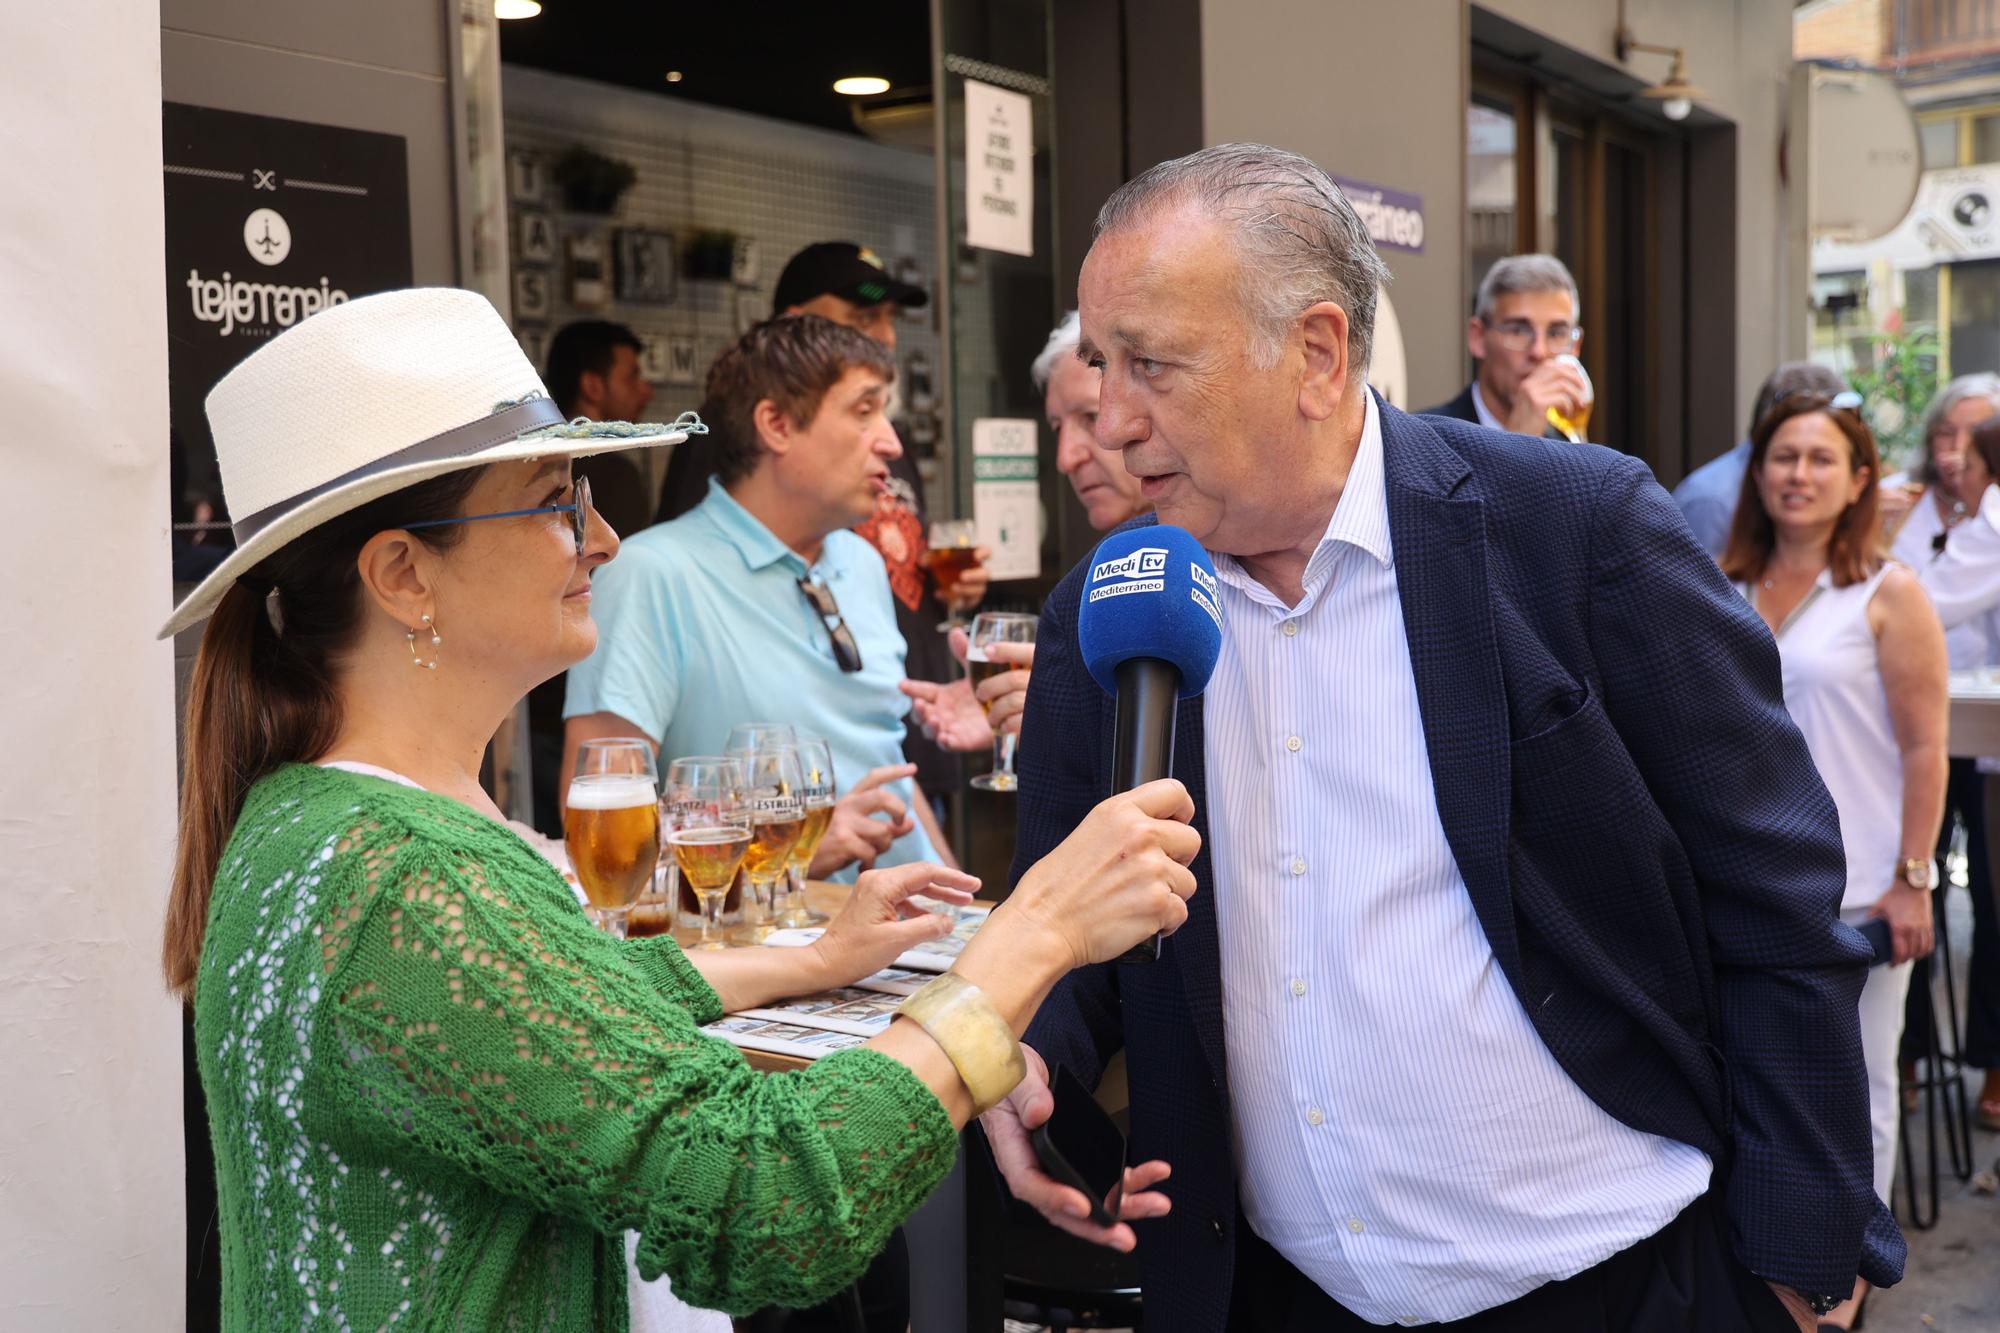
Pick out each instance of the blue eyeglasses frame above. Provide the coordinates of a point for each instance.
(578, 519)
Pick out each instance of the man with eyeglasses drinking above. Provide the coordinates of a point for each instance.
(759, 604)
(1524, 334)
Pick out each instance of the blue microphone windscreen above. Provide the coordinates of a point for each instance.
(1151, 593)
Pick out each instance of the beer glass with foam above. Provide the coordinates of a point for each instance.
(611, 826)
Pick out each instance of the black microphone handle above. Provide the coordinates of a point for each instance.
(1142, 744)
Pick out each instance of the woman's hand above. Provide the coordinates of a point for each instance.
(1120, 877)
(1907, 909)
(879, 923)
(864, 823)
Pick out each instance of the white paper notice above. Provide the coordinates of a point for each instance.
(999, 169)
(1006, 501)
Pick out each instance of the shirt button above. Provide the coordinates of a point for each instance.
(1298, 985)
(1354, 1225)
(1291, 628)
(1315, 1116)
(1299, 866)
(1292, 743)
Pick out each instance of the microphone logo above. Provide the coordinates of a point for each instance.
(1203, 591)
(1142, 570)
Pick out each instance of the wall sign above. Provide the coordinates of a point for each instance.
(1006, 501)
(267, 221)
(999, 169)
(1395, 220)
(1956, 216)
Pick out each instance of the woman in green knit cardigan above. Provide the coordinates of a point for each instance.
(439, 1098)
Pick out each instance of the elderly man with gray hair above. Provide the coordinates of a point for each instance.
(1513, 995)
(1524, 334)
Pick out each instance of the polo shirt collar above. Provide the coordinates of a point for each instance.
(757, 544)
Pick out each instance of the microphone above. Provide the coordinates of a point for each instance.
(1149, 629)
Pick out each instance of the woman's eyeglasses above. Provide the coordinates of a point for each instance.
(846, 653)
(579, 512)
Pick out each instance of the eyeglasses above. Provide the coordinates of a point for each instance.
(579, 512)
(846, 653)
(1518, 335)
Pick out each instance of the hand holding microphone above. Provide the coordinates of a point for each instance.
(1149, 629)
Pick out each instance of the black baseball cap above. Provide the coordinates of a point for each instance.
(843, 269)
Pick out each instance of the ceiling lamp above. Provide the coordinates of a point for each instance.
(674, 76)
(861, 85)
(1675, 94)
(516, 9)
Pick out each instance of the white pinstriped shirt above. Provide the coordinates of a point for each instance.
(1402, 1135)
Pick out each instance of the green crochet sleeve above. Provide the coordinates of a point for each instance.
(660, 960)
(472, 1015)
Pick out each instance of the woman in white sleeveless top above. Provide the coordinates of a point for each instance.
(1863, 659)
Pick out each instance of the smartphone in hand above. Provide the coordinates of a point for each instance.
(1080, 1146)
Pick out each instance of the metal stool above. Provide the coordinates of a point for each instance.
(1940, 1089)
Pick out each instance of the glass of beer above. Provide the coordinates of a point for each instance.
(954, 549)
(1575, 423)
(991, 627)
(774, 787)
(708, 830)
(611, 826)
(817, 786)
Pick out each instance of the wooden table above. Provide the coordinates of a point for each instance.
(1975, 715)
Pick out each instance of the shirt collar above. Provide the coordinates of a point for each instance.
(1486, 417)
(1362, 516)
(757, 544)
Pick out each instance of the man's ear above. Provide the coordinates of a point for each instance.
(1475, 338)
(397, 573)
(1323, 335)
(777, 430)
(590, 387)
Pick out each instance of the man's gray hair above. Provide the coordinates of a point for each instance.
(1525, 273)
(1979, 384)
(1063, 339)
(1299, 239)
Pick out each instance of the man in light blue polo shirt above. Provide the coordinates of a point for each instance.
(759, 605)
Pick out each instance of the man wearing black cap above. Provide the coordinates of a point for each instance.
(847, 284)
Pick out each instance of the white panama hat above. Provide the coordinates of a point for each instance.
(373, 395)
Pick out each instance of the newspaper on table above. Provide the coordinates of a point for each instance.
(810, 1026)
(930, 956)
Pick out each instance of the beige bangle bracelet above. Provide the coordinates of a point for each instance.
(971, 1033)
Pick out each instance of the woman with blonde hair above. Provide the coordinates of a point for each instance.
(1863, 661)
(438, 1097)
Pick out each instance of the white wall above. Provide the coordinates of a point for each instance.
(1372, 92)
(1378, 91)
(90, 1139)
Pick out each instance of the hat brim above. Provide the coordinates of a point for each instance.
(576, 440)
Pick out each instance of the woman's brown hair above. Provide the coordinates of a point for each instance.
(1855, 552)
(262, 694)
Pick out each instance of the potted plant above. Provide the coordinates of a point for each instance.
(590, 181)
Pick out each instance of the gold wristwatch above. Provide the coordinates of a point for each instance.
(1919, 872)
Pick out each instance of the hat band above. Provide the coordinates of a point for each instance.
(506, 424)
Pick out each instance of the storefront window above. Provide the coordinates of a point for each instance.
(1940, 143)
(1920, 297)
(1986, 138)
(1975, 316)
(1491, 182)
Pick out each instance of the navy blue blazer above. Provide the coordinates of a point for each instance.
(1644, 836)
